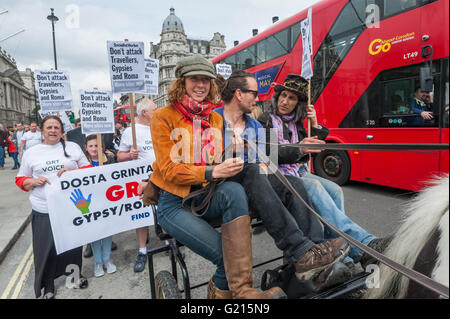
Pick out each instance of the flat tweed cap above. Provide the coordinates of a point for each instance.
(195, 65)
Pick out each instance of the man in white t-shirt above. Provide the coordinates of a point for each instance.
(31, 138)
(144, 150)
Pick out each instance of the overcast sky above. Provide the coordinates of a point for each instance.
(81, 40)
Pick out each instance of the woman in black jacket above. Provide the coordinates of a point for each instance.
(285, 118)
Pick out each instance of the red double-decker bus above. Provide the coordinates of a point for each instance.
(364, 79)
(122, 114)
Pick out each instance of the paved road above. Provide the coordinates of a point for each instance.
(373, 207)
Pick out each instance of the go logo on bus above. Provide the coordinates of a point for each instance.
(379, 45)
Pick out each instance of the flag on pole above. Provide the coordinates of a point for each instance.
(306, 28)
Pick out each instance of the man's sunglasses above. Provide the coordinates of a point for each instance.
(255, 93)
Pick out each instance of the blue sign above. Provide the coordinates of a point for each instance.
(265, 79)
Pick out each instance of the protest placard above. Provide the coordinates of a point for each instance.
(87, 205)
(306, 29)
(127, 66)
(97, 112)
(151, 76)
(62, 116)
(225, 70)
(53, 88)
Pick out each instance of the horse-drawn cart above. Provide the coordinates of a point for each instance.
(165, 284)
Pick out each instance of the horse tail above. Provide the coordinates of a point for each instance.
(421, 218)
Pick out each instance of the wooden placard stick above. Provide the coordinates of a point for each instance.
(100, 149)
(309, 123)
(133, 124)
(309, 103)
(99, 145)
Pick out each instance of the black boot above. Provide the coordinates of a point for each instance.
(333, 276)
(379, 244)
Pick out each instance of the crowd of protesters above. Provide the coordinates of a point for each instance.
(201, 104)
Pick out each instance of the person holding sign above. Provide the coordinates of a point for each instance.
(287, 114)
(145, 109)
(187, 137)
(101, 248)
(53, 157)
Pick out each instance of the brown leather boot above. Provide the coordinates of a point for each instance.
(216, 293)
(237, 256)
(320, 257)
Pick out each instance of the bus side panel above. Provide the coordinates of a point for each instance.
(365, 61)
(406, 170)
(444, 156)
(438, 32)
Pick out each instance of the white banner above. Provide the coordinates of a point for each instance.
(53, 88)
(87, 205)
(97, 112)
(62, 116)
(225, 70)
(306, 29)
(151, 76)
(126, 66)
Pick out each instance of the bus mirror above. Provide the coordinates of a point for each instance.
(426, 79)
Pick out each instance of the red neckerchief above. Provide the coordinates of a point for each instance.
(197, 113)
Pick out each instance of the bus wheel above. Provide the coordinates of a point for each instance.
(333, 165)
(166, 286)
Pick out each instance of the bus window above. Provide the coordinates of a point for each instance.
(246, 58)
(231, 60)
(273, 46)
(347, 28)
(394, 7)
(396, 95)
(295, 34)
(388, 101)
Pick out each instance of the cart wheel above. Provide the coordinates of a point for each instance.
(166, 286)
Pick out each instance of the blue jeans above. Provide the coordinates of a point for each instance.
(227, 203)
(102, 249)
(2, 156)
(328, 200)
(15, 158)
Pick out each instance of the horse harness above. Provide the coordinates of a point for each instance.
(413, 275)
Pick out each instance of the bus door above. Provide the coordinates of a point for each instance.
(396, 122)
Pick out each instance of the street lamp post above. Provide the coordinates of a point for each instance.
(53, 19)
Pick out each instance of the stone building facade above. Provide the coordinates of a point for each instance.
(175, 45)
(17, 92)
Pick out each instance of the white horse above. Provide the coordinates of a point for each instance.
(421, 243)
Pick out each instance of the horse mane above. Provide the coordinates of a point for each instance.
(426, 213)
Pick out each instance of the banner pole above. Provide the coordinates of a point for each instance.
(100, 149)
(133, 124)
(99, 145)
(309, 124)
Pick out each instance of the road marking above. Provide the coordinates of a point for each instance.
(23, 277)
(17, 272)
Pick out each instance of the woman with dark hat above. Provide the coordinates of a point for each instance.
(287, 113)
(187, 139)
(53, 157)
